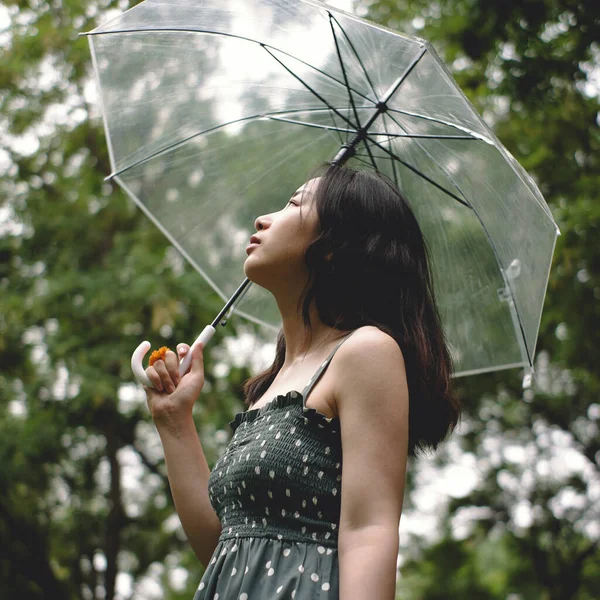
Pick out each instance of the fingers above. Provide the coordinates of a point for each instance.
(172, 364)
(164, 374)
(155, 377)
(182, 350)
(165, 377)
(197, 359)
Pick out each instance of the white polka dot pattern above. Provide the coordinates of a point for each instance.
(289, 484)
(277, 491)
(290, 569)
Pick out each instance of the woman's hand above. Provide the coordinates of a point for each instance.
(172, 399)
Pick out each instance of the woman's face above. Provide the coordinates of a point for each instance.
(284, 237)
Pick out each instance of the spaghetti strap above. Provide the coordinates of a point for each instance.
(306, 391)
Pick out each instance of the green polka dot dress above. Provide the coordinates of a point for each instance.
(277, 493)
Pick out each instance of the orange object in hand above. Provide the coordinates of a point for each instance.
(157, 355)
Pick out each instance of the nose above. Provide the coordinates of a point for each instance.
(260, 222)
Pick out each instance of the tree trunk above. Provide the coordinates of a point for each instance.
(115, 521)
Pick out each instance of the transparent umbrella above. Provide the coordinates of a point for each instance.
(216, 111)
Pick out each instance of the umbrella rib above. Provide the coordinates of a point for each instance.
(441, 122)
(425, 136)
(340, 136)
(394, 169)
(301, 110)
(359, 158)
(339, 55)
(307, 124)
(316, 94)
(371, 157)
(394, 88)
(231, 35)
(417, 172)
(298, 110)
(358, 58)
(332, 116)
(199, 133)
(348, 149)
(366, 155)
(434, 161)
(389, 135)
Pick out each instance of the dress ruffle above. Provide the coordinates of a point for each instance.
(292, 398)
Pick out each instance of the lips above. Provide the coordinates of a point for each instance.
(254, 240)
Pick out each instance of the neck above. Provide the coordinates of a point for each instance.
(297, 346)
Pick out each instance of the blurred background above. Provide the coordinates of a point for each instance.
(508, 509)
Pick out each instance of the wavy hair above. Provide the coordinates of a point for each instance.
(369, 265)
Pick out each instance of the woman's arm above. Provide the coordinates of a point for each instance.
(171, 403)
(188, 474)
(372, 402)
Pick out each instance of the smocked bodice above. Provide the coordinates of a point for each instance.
(280, 476)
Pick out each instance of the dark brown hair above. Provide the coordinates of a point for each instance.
(378, 274)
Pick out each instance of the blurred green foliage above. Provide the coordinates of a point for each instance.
(83, 275)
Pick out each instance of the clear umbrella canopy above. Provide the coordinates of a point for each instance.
(216, 111)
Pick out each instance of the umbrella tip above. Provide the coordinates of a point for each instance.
(528, 378)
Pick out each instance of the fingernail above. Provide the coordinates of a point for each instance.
(180, 348)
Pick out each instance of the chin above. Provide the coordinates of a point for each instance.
(251, 272)
(256, 273)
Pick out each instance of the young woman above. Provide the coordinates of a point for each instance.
(305, 502)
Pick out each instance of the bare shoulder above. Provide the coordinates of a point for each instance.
(371, 344)
(368, 361)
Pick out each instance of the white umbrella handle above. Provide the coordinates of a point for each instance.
(139, 353)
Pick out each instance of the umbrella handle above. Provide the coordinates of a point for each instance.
(139, 353)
